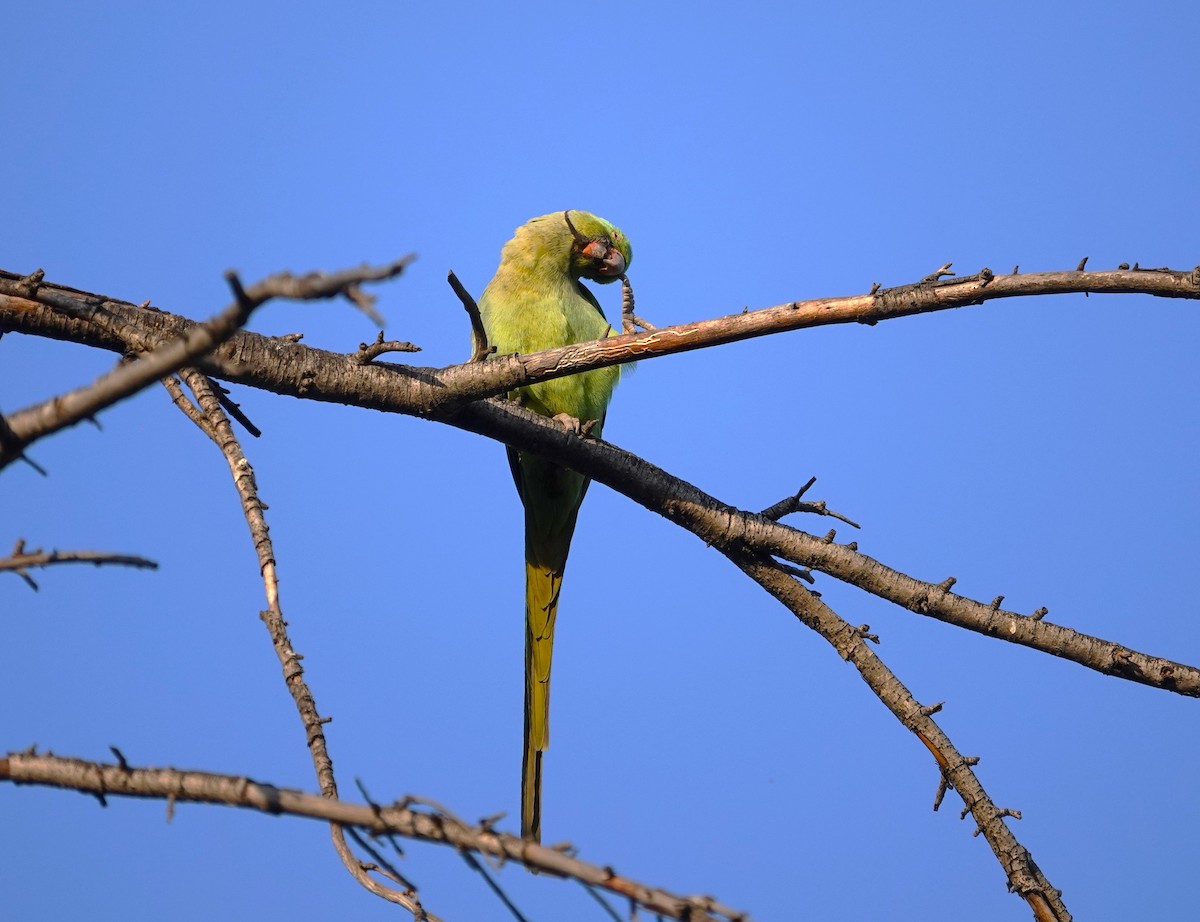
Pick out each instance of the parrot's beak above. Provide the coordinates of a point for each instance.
(607, 261)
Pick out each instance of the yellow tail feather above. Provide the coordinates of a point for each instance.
(541, 606)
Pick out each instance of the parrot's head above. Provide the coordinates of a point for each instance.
(600, 251)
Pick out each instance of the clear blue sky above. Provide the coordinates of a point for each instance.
(702, 740)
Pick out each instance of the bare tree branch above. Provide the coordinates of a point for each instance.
(794, 503)
(1024, 876)
(212, 420)
(26, 426)
(480, 349)
(274, 364)
(724, 526)
(368, 352)
(105, 780)
(20, 560)
(290, 368)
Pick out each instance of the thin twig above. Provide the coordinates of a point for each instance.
(316, 286)
(792, 504)
(497, 890)
(21, 560)
(382, 865)
(368, 352)
(595, 894)
(780, 509)
(937, 274)
(479, 341)
(185, 405)
(235, 410)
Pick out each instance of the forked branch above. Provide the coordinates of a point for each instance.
(161, 357)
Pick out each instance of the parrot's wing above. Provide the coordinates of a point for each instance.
(586, 294)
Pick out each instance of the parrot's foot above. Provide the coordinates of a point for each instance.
(582, 428)
(633, 324)
(629, 320)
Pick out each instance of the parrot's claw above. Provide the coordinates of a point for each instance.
(634, 323)
(581, 428)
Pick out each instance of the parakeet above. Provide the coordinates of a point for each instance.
(534, 302)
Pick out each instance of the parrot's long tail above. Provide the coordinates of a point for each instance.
(551, 495)
(541, 606)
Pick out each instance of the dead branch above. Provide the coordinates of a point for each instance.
(247, 358)
(21, 560)
(723, 526)
(479, 341)
(368, 352)
(778, 510)
(1024, 876)
(399, 819)
(211, 419)
(163, 358)
(317, 286)
(791, 504)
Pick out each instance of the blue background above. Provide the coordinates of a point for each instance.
(703, 741)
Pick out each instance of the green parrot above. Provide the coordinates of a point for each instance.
(535, 302)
